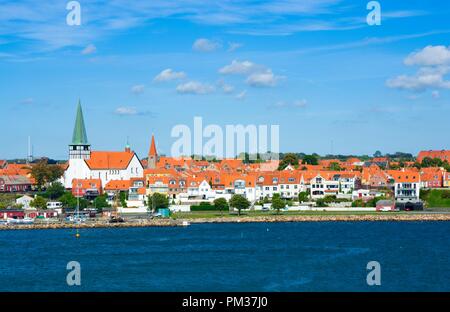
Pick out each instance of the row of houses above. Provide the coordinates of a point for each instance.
(187, 185)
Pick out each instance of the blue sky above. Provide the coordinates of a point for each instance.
(316, 68)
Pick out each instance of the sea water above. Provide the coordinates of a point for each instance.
(303, 256)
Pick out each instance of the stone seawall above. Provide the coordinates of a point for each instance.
(325, 218)
(234, 219)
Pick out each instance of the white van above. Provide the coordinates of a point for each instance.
(54, 205)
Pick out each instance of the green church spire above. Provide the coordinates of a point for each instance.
(79, 131)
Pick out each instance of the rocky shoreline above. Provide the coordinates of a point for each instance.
(235, 219)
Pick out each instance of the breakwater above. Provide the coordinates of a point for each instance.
(233, 219)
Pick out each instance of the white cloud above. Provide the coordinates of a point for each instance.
(168, 75)
(42, 22)
(435, 65)
(262, 79)
(137, 89)
(194, 87)
(425, 78)
(238, 67)
(241, 95)
(257, 75)
(123, 110)
(131, 111)
(300, 103)
(205, 45)
(90, 49)
(233, 46)
(430, 56)
(227, 88)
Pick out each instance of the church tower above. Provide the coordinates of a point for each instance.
(79, 148)
(152, 155)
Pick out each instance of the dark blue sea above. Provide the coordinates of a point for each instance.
(316, 256)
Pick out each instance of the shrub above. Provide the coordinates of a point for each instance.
(320, 202)
(358, 203)
(204, 206)
(445, 194)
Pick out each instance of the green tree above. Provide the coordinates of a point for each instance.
(373, 202)
(39, 202)
(447, 166)
(310, 160)
(288, 159)
(157, 200)
(44, 173)
(7, 200)
(55, 190)
(321, 202)
(277, 203)
(377, 154)
(101, 202)
(358, 203)
(70, 201)
(221, 204)
(334, 166)
(303, 197)
(123, 198)
(239, 202)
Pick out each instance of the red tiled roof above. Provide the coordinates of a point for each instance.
(118, 185)
(152, 151)
(443, 155)
(109, 160)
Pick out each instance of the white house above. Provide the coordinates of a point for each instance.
(323, 185)
(288, 184)
(406, 186)
(334, 183)
(25, 201)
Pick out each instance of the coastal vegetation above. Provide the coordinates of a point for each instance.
(278, 203)
(239, 202)
(8, 200)
(39, 202)
(204, 206)
(44, 173)
(436, 198)
(157, 201)
(221, 204)
(289, 159)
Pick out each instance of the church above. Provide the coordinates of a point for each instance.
(104, 165)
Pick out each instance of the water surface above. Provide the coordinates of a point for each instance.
(304, 256)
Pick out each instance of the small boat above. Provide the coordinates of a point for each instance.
(25, 220)
(186, 223)
(76, 219)
(115, 219)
